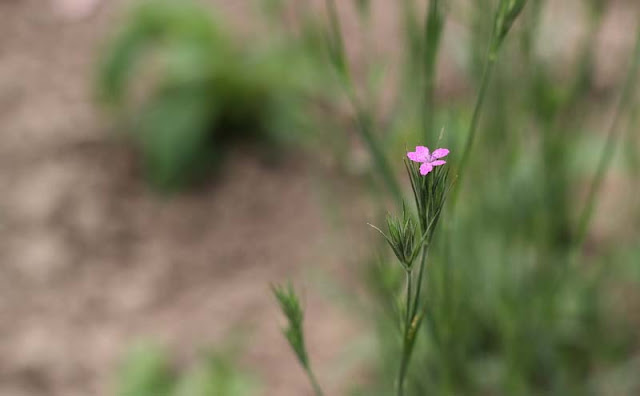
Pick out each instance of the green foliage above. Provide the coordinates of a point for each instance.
(290, 306)
(147, 371)
(433, 27)
(508, 12)
(201, 90)
(402, 237)
(217, 375)
(514, 302)
(511, 308)
(294, 332)
(429, 195)
(364, 7)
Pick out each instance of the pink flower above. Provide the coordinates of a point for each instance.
(428, 160)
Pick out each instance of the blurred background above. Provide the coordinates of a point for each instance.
(162, 163)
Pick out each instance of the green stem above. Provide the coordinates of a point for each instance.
(314, 382)
(475, 120)
(412, 304)
(609, 149)
(365, 126)
(338, 52)
(403, 370)
(423, 260)
(404, 359)
(432, 34)
(364, 117)
(408, 314)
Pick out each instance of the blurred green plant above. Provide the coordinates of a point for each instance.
(147, 371)
(505, 15)
(509, 307)
(605, 159)
(294, 332)
(430, 194)
(511, 312)
(365, 115)
(186, 90)
(516, 299)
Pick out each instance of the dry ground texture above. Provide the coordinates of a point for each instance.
(91, 260)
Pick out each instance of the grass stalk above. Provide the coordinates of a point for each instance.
(404, 362)
(423, 263)
(506, 14)
(317, 391)
(366, 129)
(406, 344)
(410, 333)
(364, 117)
(409, 313)
(432, 34)
(475, 121)
(608, 151)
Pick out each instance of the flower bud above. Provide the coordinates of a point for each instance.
(430, 193)
(402, 238)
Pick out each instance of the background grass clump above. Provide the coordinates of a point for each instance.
(185, 90)
(147, 370)
(520, 298)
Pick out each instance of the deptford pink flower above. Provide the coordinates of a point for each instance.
(428, 160)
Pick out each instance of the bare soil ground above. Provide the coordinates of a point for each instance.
(91, 260)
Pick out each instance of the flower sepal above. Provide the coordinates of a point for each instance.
(403, 238)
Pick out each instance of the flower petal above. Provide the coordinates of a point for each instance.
(416, 157)
(439, 153)
(437, 162)
(422, 150)
(420, 155)
(425, 168)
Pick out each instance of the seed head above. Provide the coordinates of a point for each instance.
(402, 237)
(508, 12)
(292, 310)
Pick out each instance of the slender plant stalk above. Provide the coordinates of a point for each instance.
(432, 34)
(412, 27)
(556, 146)
(423, 263)
(608, 151)
(412, 306)
(475, 120)
(314, 382)
(506, 14)
(366, 128)
(406, 345)
(404, 362)
(336, 42)
(409, 314)
(364, 117)
(411, 66)
(294, 333)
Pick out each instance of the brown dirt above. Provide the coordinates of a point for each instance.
(92, 260)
